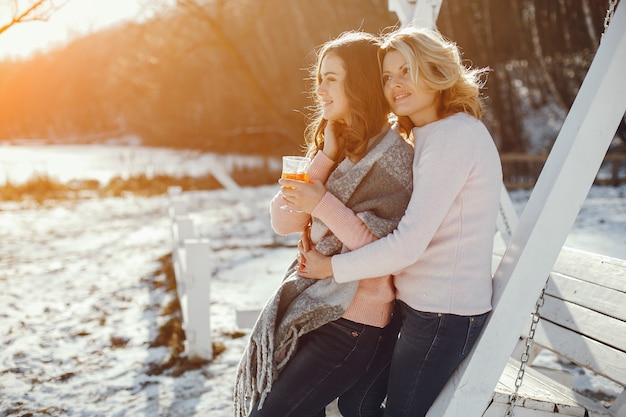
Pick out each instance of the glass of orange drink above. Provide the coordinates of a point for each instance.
(295, 168)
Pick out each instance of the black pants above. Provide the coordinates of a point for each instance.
(328, 362)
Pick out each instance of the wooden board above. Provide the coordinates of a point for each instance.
(541, 394)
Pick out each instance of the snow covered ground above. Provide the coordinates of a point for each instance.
(82, 298)
(79, 305)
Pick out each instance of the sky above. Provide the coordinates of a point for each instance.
(76, 18)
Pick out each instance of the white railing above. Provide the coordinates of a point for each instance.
(191, 257)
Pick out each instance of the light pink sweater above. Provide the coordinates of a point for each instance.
(373, 302)
(441, 251)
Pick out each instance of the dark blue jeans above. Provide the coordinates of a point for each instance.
(428, 350)
(365, 398)
(329, 361)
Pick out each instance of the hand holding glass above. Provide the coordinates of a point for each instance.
(295, 168)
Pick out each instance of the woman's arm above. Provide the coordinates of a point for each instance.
(440, 169)
(346, 225)
(285, 222)
(341, 220)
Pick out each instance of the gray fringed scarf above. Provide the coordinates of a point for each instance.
(377, 188)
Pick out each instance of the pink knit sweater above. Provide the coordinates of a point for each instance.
(374, 298)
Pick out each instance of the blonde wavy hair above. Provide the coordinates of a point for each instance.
(368, 108)
(437, 61)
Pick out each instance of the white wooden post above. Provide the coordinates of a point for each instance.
(197, 278)
(619, 405)
(192, 269)
(550, 212)
(174, 191)
(182, 229)
(507, 217)
(219, 173)
(246, 317)
(422, 13)
(178, 206)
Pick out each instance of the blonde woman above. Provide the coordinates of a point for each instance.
(440, 254)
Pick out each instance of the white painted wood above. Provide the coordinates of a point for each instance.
(198, 279)
(520, 347)
(223, 177)
(421, 13)
(592, 315)
(404, 9)
(179, 260)
(563, 377)
(178, 206)
(586, 322)
(426, 12)
(619, 406)
(183, 228)
(498, 410)
(174, 191)
(589, 295)
(541, 393)
(246, 318)
(546, 394)
(604, 360)
(192, 270)
(507, 216)
(219, 173)
(551, 210)
(609, 271)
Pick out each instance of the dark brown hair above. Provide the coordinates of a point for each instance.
(368, 107)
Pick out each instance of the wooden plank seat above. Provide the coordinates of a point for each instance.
(583, 320)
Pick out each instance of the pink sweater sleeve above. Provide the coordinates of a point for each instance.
(343, 222)
(285, 222)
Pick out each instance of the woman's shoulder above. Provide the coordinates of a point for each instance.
(398, 139)
(397, 148)
(459, 121)
(460, 126)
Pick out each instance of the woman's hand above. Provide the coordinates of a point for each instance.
(304, 245)
(302, 196)
(313, 264)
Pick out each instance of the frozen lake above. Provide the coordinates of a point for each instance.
(103, 162)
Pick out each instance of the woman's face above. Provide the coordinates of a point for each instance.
(404, 96)
(331, 88)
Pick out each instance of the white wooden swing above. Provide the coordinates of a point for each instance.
(488, 383)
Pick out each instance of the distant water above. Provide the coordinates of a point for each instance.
(103, 162)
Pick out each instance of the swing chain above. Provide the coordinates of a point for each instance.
(608, 16)
(505, 220)
(526, 354)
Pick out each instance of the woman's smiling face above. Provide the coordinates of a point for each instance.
(404, 96)
(331, 89)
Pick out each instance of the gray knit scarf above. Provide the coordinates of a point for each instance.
(377, 188)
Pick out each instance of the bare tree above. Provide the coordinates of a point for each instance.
(29, 11)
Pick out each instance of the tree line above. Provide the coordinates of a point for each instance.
(233, 76)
